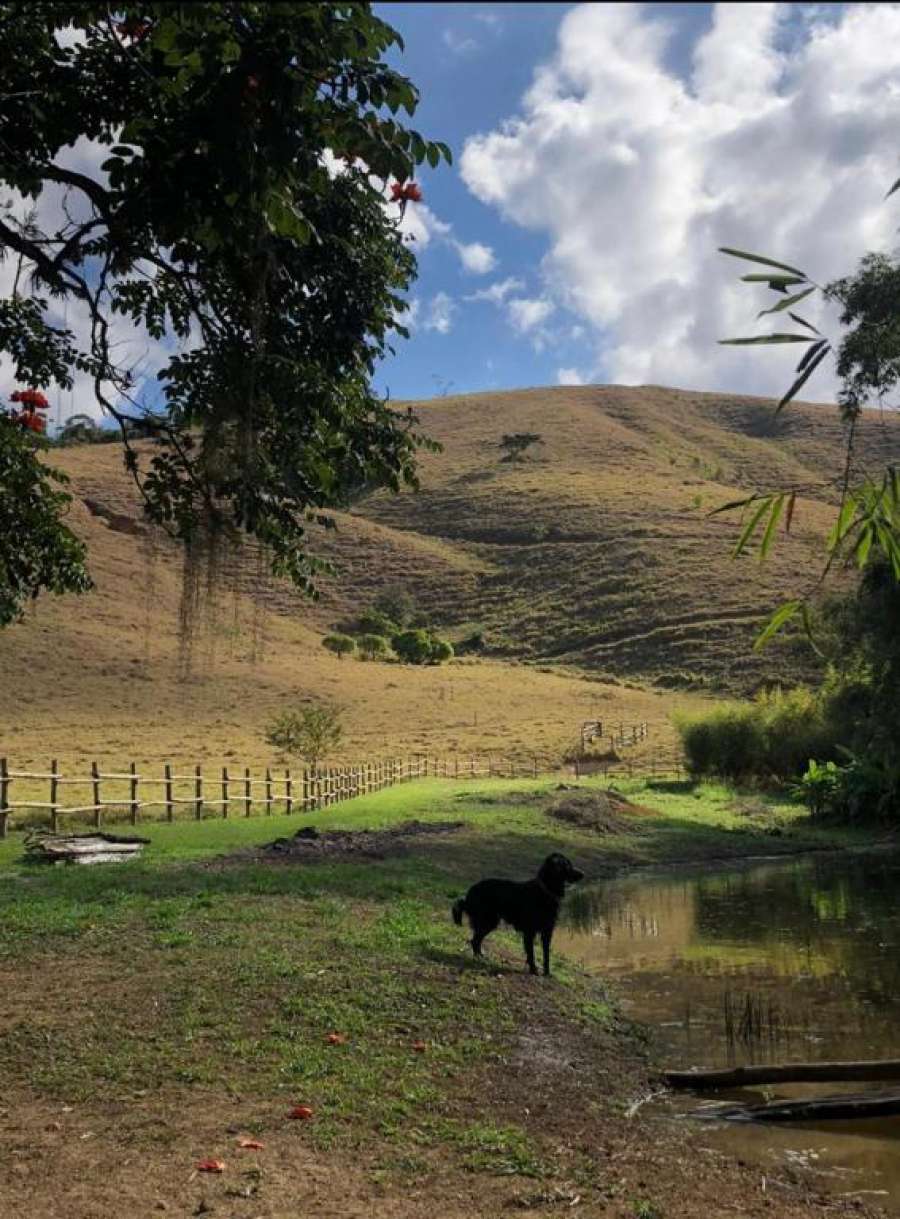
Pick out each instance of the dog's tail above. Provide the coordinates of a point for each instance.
(459, 907)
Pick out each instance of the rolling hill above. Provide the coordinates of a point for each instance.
(602, 585)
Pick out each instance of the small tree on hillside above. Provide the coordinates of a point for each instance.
(514, 444)
(396, 603)
(441, 650)
(307, 733)
(340, 645)
(372, 647)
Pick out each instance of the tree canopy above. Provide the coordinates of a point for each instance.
(241, 218)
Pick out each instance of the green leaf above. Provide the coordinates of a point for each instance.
(779, 282)
(434, 156)
(766, 338)
(786, 304)
(767, 262)
(842, 525)
(803, 378)
(791, 505)
(811, 354)
(864, 544)
(782, 615)
(750, 527)
(734, 503)
(896, 186)
(801, 321)
(769, 535)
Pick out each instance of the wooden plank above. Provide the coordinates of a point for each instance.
(248, 794)
(198, 792)
(268, 792)
(288, 793)
(823, 1108)
(791, 1072)
(224, 800)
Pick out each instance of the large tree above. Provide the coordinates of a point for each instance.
(241, 219)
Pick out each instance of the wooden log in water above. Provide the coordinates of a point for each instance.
(791, 1072)
(824, 1108)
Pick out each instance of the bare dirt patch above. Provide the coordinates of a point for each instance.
(311, 843)
(601, 812)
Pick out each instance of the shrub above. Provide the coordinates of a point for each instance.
(373, 622)
(307, 732)
(772, 737)
(471, 644)
(817, 786)
(372, 647)
(413, 647)
(396, 604)
(341, 645)
(441, 650)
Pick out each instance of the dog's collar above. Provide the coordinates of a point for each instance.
(549, 892)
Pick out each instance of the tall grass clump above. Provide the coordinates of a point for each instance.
(772, 737)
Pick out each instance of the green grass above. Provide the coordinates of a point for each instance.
(230, 977)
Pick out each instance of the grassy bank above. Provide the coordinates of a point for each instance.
(155, 1012)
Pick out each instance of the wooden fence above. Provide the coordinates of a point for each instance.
(617, 733)
(289, 792)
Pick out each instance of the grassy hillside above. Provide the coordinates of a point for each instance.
(596, 561)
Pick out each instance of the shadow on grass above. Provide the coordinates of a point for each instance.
(675, 787)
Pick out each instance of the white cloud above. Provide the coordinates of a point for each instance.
(477, 258)
(498, 292)
(782, 145)
(492, 20)
(569, 376)
(526, 314)
(459, 44)
(440, 313)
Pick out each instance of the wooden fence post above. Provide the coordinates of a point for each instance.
(288, 793)
(54, 791)
(268, 792)
(170, 805)
(198, 792)
(224, 791)
(133, 792)
(4, 796)
(248, 792)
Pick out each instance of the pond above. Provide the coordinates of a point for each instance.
(776, 961)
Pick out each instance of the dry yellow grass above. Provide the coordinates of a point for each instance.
(593, 554)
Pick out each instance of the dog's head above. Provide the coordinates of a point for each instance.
(556, 872)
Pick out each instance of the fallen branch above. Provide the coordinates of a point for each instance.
(792, 1072)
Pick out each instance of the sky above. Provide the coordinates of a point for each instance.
(602, 154)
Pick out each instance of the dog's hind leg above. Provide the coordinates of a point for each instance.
(481, 931)
(546, 937)
(528, 941)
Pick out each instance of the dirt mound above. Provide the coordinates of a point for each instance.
(602, 812)
(308, 842)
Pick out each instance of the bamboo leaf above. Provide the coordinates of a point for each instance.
(767, 262)
(786, 304)
(843, 523)
(802, 379)
(896, 186)
(735, 503)
(769, 535)
(811, 354)
(750, 528)
(789, 515)
(783, 614)
(864, 544)
(803, 322)
(766, 338)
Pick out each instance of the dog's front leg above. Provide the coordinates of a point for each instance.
(528, 941)
(546, 937)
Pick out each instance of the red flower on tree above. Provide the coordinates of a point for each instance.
(31, 400)
(406, 192)
(134, 28)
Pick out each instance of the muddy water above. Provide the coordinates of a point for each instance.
(773, 962)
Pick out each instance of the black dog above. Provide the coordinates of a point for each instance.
(530, 906)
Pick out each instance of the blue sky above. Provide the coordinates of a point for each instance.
(603, 152)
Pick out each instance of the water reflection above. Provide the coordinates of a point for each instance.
(779, 961)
